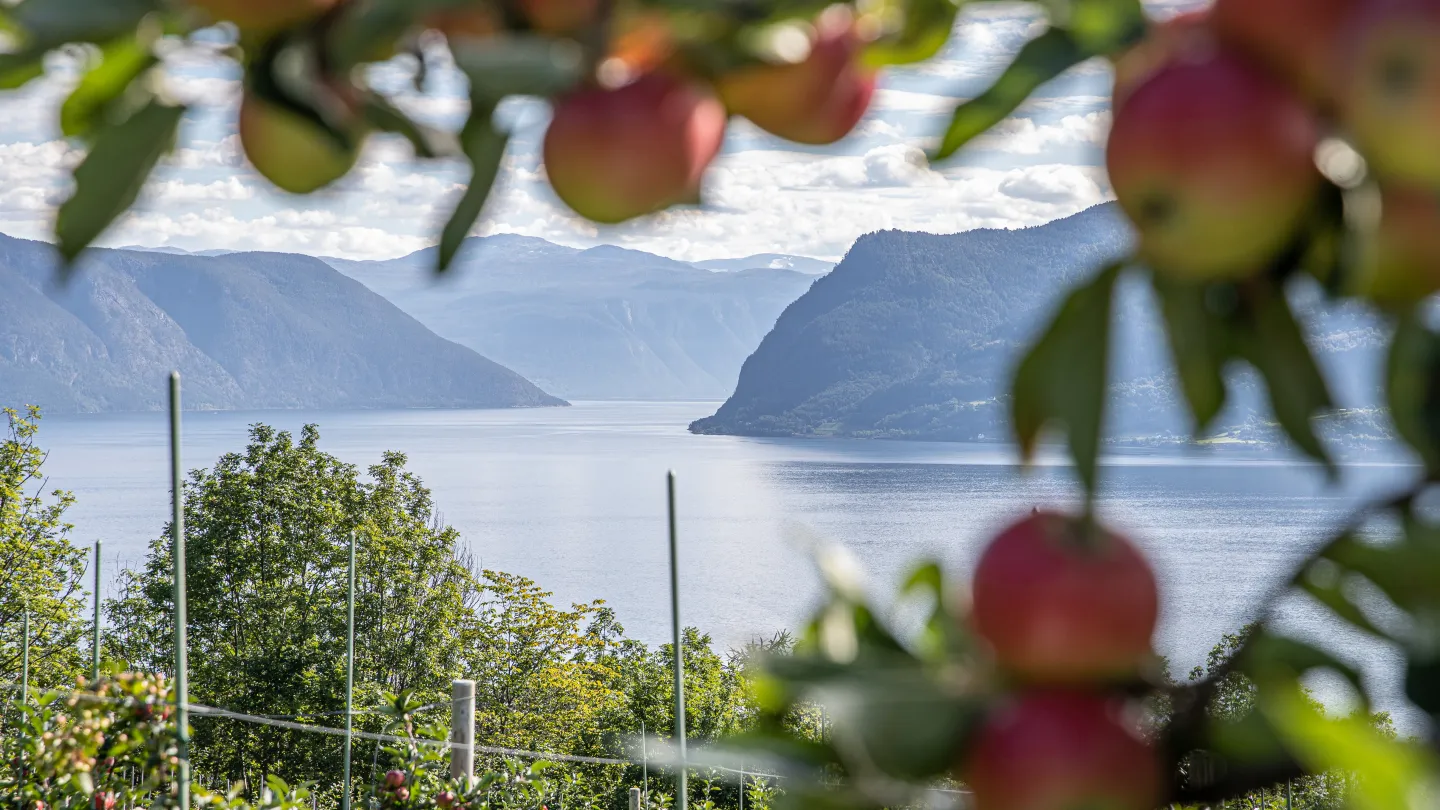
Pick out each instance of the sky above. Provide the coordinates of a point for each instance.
(762, 195)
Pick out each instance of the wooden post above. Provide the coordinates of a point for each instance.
(634, 798)
(462, 729)
(95, 653)
(349, 677)
(682, 787)
(177, 532)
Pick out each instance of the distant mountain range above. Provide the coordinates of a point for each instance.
(602, 323)
(915, 336)
(246, 330)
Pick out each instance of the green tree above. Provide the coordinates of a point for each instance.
(39, 568)
(267, 534)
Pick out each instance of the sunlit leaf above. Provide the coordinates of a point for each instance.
(1042, 59)
(927, 26)
(109, 179)
(121, 62)
(1062, 380)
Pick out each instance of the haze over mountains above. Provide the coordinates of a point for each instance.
(602, 323)
(915, 335)
(246, 331)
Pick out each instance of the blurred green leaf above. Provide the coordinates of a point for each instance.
(428, 142)
(484, 145)
(927, 26)
(1042, 59)
(50, 23)
(1062, 379)
(109, 179)
(1197, 341)
(1422, 684)
(1413, 388)
(121, 62)
(1389, 774)
(1333, 596)
(1269, 653)
(1105, 26)
(20, 67)
(1275, 345)
(900, 722)
(519, 65)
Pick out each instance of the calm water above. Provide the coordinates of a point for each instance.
(574, 498)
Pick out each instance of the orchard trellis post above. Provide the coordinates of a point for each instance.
(349, 676)
(95, 641)
(682, 778)
(177, 532)
(462, 729)
(24, 700)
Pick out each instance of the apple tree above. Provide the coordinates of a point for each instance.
(1257, 147)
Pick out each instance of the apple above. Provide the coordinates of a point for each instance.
(445, 800)
(1295, 38)
(1213, 160)
(559, 17)
(1182, 37)
(1400, 259)
(1390, 95)
(1059, 602)
(263, 16)
(1060, 751)
(290, 150)
(614, 154)
(394, 779)
(816, 100)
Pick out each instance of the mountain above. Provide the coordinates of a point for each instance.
(915, 336)
(246, 331)
(602, 323)
(800, 264)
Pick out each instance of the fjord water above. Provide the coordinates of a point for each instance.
(574, 498)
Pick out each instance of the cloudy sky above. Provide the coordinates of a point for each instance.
(762, 195)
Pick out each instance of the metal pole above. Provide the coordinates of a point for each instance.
(177, 532)
(742, 784)
(462, 729)
(349, 676)
(1289, 796)
(682, 778)
(645, 762)
(95, 653)
(24, 698)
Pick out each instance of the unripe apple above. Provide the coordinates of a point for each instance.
(290, 150)
(1060, 601)
(616, 154)
(1060, 751)
(1184, 37)
(559, 17)
(1297, 39)
(1400, 260)
(817, 100)
(1391, 88)
(1213, 161)
(263, 16)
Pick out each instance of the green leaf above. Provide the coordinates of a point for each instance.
(1105, 26)
(927, 26)
(1042, 59)
(1332, 596)
(1276, 347)
(1270, 653)
(519, 66)
(20, 67)
(1063, 376)
(87, 106)
(428, 142)
(484, 145)
(50, 23)
(109, 180)
(1413, 390)
(1198, 345)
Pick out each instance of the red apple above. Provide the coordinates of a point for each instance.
(559, 17)
(1184, 37)
(817, 100)
(1061, 751)
(1060, 602)
(394, 779)
(616, 154)
(445, 800)
(1213, 161)
(1400, 260)
(1295, 38)
(263, 16)
(290, 150)
(1391, 88)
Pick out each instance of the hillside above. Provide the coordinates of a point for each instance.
(915, 336)
(247, 331)
(602, 323)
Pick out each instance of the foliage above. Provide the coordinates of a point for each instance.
(40, 571)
